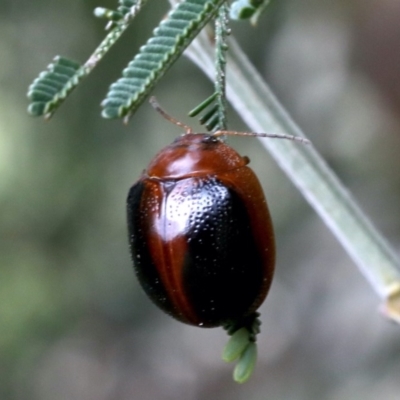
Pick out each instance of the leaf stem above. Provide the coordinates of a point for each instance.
(260, 109)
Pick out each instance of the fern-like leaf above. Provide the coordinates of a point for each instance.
(170, 39)
(51, 87)
(210, 118)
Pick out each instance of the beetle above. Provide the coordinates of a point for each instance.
(200, 233)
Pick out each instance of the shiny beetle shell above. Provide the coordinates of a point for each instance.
(200, 232)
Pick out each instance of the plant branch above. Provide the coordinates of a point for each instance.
(260, 109)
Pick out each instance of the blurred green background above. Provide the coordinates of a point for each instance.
(73, 322)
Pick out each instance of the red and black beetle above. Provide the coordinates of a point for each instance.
(200, 232)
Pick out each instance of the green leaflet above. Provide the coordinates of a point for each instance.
(236, 345)
(125, 6)
(170, 39)
(52, 86)
(210, 118)
(244, 9)
(246, 364)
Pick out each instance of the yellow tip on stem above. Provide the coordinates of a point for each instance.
(391, 308)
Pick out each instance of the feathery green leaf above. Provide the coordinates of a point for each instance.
(51, 87)
(170, 39)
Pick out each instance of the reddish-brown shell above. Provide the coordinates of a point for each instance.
(200, 232)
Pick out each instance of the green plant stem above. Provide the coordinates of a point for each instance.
(262, 112)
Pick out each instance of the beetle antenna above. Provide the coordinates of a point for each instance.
(268, 135)
(154, 103)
